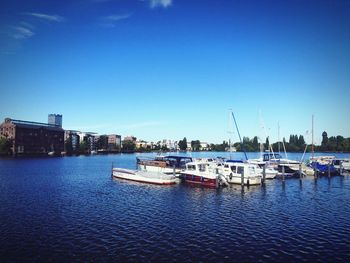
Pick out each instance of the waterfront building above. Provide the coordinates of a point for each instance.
(114, 142)
(189, 146)
(205, 146)
(29, 137)
(73, 138)
(170, 144)
(55, 119)
(89, 139)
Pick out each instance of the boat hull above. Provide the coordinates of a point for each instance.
(144, 176)
(246, 180)
(200, 180)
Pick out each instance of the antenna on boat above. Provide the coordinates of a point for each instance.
(239, 135)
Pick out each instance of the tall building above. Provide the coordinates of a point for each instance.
(29, 137)
(114, 141)
(55, 119)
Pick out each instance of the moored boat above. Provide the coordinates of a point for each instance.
(236, 171)
(144, 176)
(324, 165)
(202, 173)
(170, 164)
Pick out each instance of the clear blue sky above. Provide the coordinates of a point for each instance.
(161, 69)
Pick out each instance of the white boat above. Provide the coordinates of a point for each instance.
(233, 171)
(144, 176)
(169, 164)
(203, 173)
(270, 172)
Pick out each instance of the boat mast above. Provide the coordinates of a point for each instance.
(312, 137)
(279, 146)
(239, 135)
(230, 133)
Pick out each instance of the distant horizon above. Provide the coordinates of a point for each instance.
(173, 68)
(187, 138)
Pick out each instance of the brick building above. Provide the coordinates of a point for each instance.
(32, 137)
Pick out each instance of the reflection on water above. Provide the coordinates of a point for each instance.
(70, 208)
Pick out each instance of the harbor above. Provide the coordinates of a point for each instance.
(71, 208)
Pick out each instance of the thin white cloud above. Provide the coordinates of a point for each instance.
(117, 17)
(53, 18)
(20, 32)
(27, 25)
(160, 3)
(111, 20)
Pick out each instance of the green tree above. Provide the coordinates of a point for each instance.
(5, 146)
(255, 144)
(267, 143)
(83, 147)
(128, 146)
(68, 146)
(183, 144)
(196, 145)
(102, 142)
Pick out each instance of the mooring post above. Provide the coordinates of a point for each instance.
(341, 168)
(300, 172)
(112, 168)
(264, 173)
(315, 171)
(242, 178)
(174, 170)
(283, 170)
(329, 170)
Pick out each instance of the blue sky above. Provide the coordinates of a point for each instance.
(166, 69)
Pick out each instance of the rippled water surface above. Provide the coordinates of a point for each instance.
(70, 209)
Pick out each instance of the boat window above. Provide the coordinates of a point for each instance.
(191, 167)
(233, 168)
(201, 167)
(226, 166)
(240, 170)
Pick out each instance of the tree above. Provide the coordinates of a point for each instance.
(128, 146)
(164, 148)
(301, 141)
(5, 146)
(68, 146)
(196, 145)
(267, 143)
(83, 147)
(102, 142)
(183, 144)
(255, 144)
(324, 141)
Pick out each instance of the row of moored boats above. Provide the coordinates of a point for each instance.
(216, 172)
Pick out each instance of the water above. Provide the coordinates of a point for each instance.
(70, 209)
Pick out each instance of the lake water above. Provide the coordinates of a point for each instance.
(70, 209)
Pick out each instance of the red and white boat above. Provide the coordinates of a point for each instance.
(144, 176)
(202, 173)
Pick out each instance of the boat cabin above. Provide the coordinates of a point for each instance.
(166, 161)
(271, 156)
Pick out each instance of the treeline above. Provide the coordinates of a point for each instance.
(334, 144)
(296, 143)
